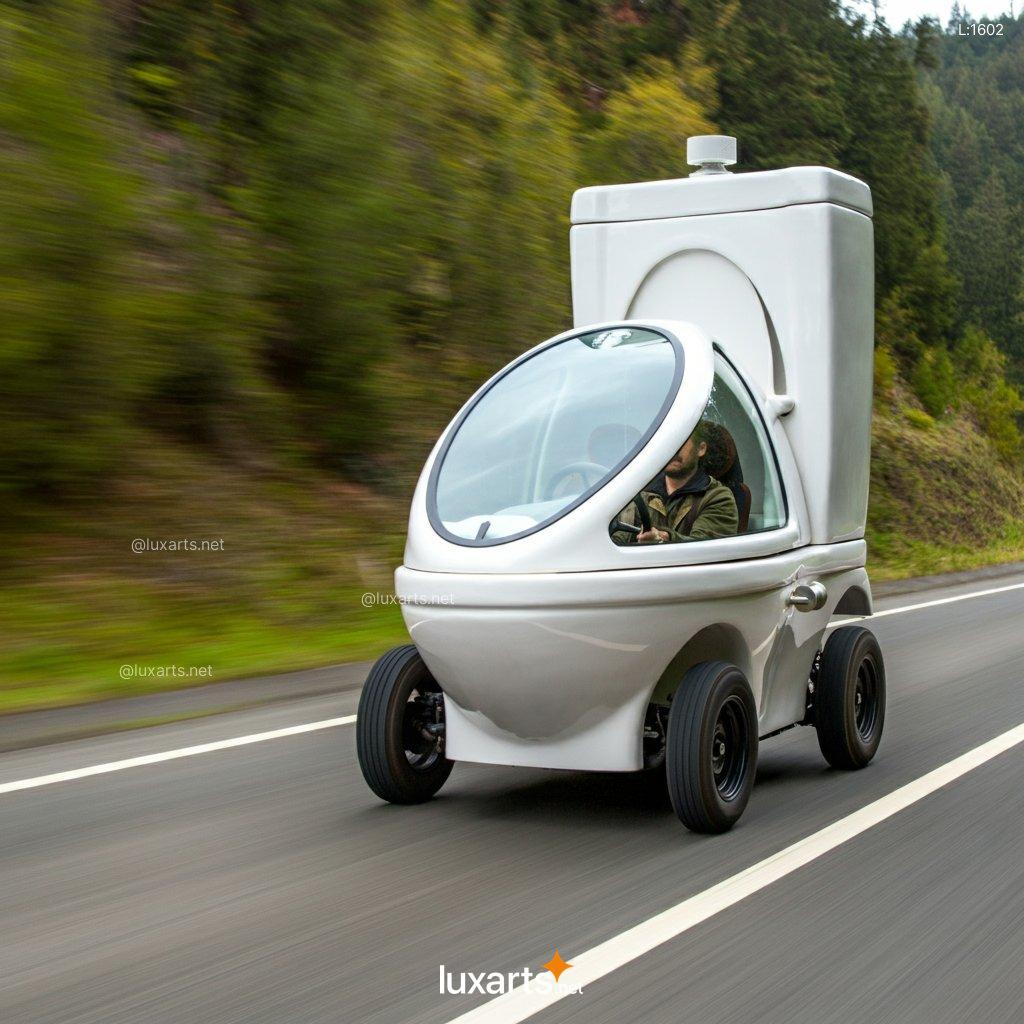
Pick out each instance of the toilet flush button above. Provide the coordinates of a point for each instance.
(712, 154)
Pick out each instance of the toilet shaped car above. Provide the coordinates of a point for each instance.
(625, 551)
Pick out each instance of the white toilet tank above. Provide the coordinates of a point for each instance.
(778, 268)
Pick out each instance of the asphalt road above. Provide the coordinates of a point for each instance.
(264, 883)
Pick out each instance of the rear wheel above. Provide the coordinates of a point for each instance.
(711, 749)
(849, 698)
(400, 729)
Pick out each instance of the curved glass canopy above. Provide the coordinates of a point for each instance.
(551, 430)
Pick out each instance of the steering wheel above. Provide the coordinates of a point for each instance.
(643, 514)
(584, 469)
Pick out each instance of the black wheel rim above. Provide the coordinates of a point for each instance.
(730, 747)
(423, 741)
(865, 699)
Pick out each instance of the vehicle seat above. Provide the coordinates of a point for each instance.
(722, 461)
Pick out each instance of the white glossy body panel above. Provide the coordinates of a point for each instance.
(556, 670)
(719, 193)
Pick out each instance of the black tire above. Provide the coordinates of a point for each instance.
(399, 763)
(849, 698)
(710, 785)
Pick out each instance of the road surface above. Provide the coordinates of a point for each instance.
(263, 883)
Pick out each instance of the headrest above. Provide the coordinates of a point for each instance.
(720, 458)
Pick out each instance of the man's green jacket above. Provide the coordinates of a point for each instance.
(716, 514)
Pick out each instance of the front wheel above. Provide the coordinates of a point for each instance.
(711, 747)
(400, 729)
(849, 698)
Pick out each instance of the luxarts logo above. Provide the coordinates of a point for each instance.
(497, 983)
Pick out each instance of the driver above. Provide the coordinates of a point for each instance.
(685, 502)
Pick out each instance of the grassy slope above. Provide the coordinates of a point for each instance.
(285, 593)
(941, 499)
(299, 553)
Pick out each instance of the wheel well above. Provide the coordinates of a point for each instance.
(856, 601)
(720, 642)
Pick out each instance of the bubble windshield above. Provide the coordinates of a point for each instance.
(551, 431)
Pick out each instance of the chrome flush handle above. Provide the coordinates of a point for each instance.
(808, 597)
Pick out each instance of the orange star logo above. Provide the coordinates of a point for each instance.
(556, 965)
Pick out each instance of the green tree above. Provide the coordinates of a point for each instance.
(976, 94)
(647, 123)
(988, 244)
(417, 194)
(69, 331)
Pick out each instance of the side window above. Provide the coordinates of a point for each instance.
(722, 481)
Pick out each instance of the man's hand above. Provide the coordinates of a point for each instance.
(653, 536)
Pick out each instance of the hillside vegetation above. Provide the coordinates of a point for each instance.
(255, 253)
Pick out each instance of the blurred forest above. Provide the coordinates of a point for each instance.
(254, 253)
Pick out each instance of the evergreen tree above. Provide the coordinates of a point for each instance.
(988, 243)
(976, 94)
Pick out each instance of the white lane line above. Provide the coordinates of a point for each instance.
(172, 755)
(330, 723)
(587, 968)
(946, 600)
